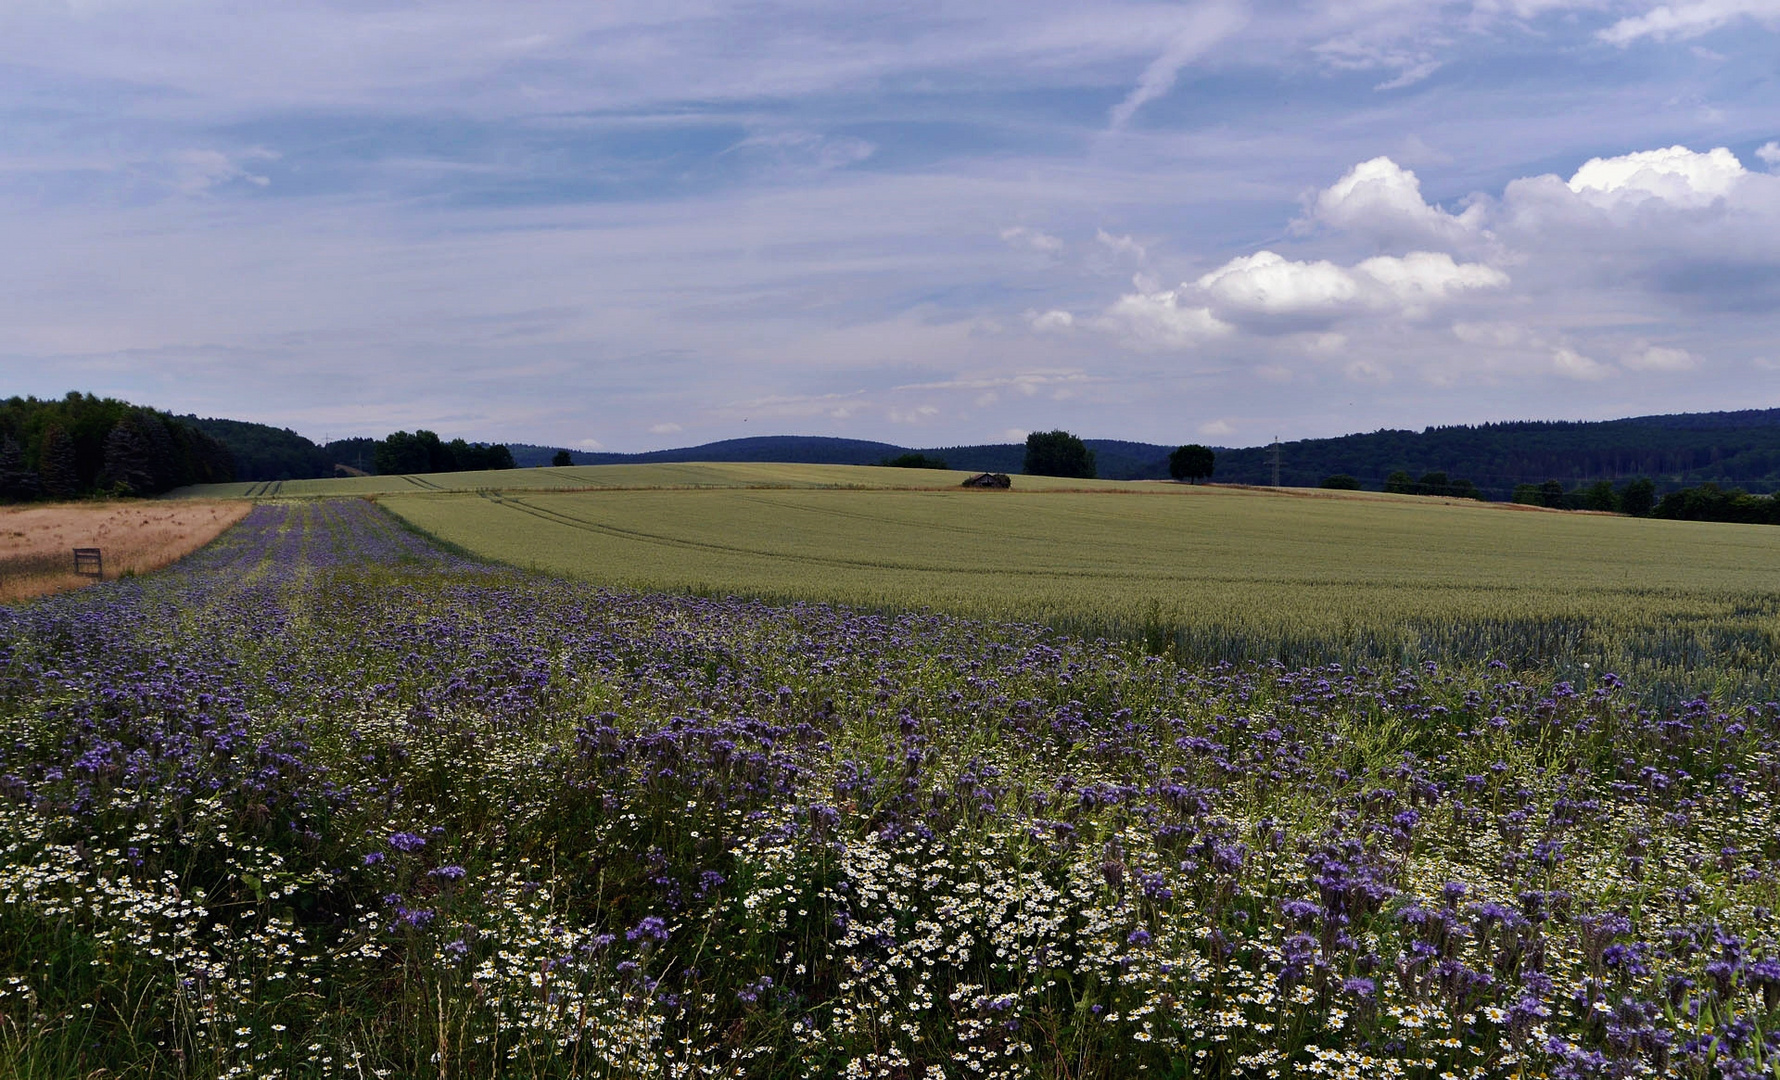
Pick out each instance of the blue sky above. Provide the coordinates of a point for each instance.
(636, 225)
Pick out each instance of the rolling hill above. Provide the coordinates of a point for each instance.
(1740, 448)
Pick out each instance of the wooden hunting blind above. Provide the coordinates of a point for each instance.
(89, 562)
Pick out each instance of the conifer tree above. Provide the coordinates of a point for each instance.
(128, 469)
(159, 453)
(17, 483)
(55, 464)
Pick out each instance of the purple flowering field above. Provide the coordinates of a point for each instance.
(327, 801)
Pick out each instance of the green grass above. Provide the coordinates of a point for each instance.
(1209, 573)
(669, 476)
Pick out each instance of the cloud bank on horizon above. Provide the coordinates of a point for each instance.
(636, 225)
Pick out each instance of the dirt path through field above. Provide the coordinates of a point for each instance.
(135, 536)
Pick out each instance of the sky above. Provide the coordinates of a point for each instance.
(629, 226)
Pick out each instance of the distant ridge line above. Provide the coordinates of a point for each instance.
(1738, 448)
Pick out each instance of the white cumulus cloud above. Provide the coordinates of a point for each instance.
(1382, 199)
(1267, 283)
(1669, 228)
(1425, 277)
(1538, 279)
(1159, 319)
(1675, 175)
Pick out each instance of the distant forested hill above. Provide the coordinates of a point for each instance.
(1739, 449)
(1114, 459)
(1118, 460)
(797, 449)
(263, 452)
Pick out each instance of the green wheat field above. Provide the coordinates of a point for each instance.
(1206, 573)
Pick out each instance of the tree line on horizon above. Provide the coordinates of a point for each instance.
(1059, 453)
(423, 451)
(1740, 449)
(91, 445)
(264, 452)
(82, 445)
(1731, 449)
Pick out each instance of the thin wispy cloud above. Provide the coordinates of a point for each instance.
(1201, 28)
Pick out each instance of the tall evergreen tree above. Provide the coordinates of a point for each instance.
(160, 453)
(17, 483)
(56, 465)
(129, 466)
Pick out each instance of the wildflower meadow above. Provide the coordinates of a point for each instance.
(327, 800)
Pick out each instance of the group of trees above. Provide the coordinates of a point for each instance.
(1058, 453)
(1635, 497)
(1680, 450)
(1431, 483)
(424, 452)
(264, 452)
(1192, 462)
(84, 445)
(1709, 502)
(913, 460)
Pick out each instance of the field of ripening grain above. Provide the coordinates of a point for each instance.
(1205, 573)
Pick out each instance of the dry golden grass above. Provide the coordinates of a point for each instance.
(136, 536)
